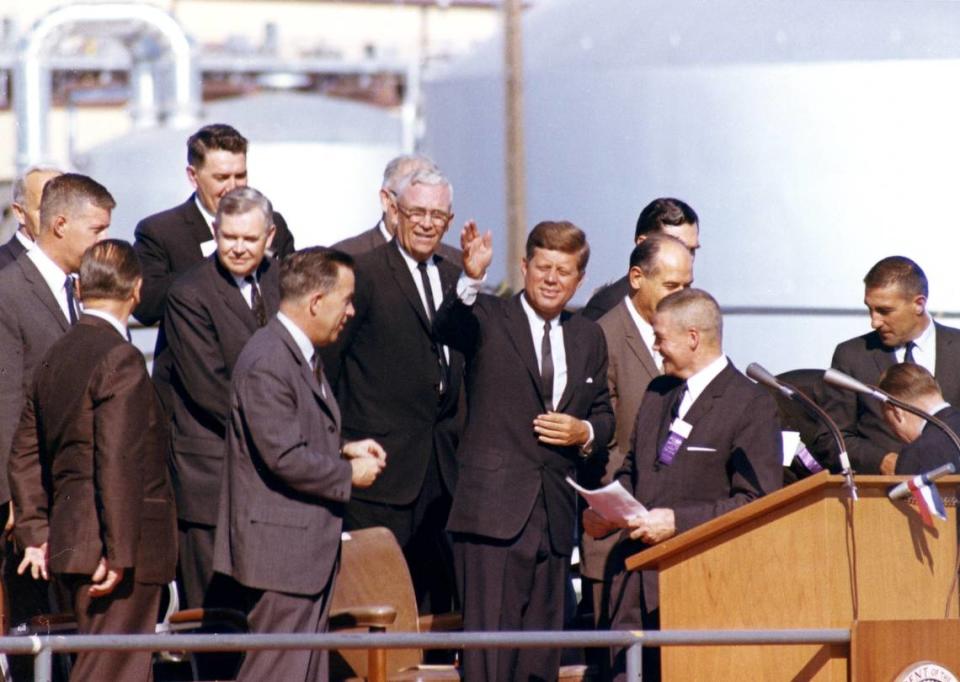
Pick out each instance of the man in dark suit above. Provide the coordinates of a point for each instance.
(927, 446)
(706, 441)
(27, 189)
(666, 215)
(896, 295)
(286, 476)
(538, 402)
(99, 519)
(212, 310)
(659, 265)
(395, 383)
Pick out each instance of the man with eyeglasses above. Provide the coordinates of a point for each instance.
(395, 383)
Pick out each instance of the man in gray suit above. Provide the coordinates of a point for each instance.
(286, 475)
(659, 265)
(397, 169)
(895, 293)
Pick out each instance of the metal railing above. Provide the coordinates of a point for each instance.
(42, 647)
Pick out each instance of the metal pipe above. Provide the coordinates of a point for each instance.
(32, 78)
(43, 665)
(635, 663)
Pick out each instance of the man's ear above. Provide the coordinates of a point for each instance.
(386, 200)
(137, 287)
(59, 223)
(19, 213)
(192, 176)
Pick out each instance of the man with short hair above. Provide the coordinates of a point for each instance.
(706, 441)
(396, 170)
(659, 266)
(395, 382)
(212, 311)
(88, 471)
(664, 215)
(536, 382)
(927, 446)
(171, 241)
(895, 293)
(27, 189)
(287, 476)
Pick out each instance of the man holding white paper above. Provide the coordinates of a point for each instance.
(706, 441)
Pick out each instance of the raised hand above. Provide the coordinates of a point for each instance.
(477, 250)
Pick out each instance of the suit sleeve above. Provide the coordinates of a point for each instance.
(11, 387)
(600, 415)
(458, 325)
(267, 401)
(28, 487)
(755, 464)
(118, 392)
(865, 456)
(197, 356)
(156, 270)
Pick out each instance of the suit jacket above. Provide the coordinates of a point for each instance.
(370, 239)
(284, 483)
(89, 463)
(859, 418)
(932, 448)
(169, 243)
(732, 456)
(503, 467)
(630, 370)
(206, 324)
(10, 251)
(385, 371)
(606, 298)
(30, 321)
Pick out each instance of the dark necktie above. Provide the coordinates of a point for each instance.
(431, 313)
(908, 352)
(546, 368)
(256, 301)
(71, 300)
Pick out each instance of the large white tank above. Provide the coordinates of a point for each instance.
(813, 137)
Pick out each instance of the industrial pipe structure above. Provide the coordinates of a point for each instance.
(32, 77)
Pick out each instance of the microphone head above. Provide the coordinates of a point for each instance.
(840, 380)
(762, 376)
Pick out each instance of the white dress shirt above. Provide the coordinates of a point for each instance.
(924, 350)
(54, 277)
(646, 332)
(436, 288)
(699, 382)
(104, 315)
(27, 243)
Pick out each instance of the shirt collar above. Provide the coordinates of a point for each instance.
(926, 340)
(536, 320)
(207, 216)
(382, 226)
(299, 337)
(412, 262)
(104, 315)
(28, 243)
(50, 271)
(644, 327)
(699, 381)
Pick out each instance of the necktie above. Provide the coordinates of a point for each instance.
(71, 300)
(546, 368)
(256, 301)
(908, 352)
(318, 373)
(431, 313)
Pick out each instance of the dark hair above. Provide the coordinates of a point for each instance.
(908, 382)
(560, 236)
(645, 254)
(212, 137)
(242, 200)
(109, 269)
(898, 270)
(664, 211)
(71, 192)
(316, 268)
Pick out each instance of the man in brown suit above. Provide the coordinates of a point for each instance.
(659, 265)
(92, 439)
(286, 474)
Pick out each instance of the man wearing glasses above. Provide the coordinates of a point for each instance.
(393, 381)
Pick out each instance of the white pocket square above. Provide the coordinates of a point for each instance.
(694, 448)
(589, 380)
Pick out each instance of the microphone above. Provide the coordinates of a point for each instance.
(762, 376)
(902, 490)
(841, 380)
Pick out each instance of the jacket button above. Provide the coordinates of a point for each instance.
(331, 429)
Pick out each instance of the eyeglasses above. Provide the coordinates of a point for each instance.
(421, 215)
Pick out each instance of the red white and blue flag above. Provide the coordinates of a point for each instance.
(928, 499)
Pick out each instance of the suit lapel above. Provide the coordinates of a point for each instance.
(195, 222)
(326, 402)
(945, 370)
(518, 329)
(404, 280)
(631, 336)
(576, 361)
(710, 396)
(39, 288)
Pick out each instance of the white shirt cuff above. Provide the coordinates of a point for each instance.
(468, 288)
(587, 448)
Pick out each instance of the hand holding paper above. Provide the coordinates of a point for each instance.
(612, 502)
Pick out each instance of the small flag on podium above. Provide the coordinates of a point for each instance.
(928, 499)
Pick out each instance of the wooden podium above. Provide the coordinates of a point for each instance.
(802, 557)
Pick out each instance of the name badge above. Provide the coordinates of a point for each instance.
(679, 432)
